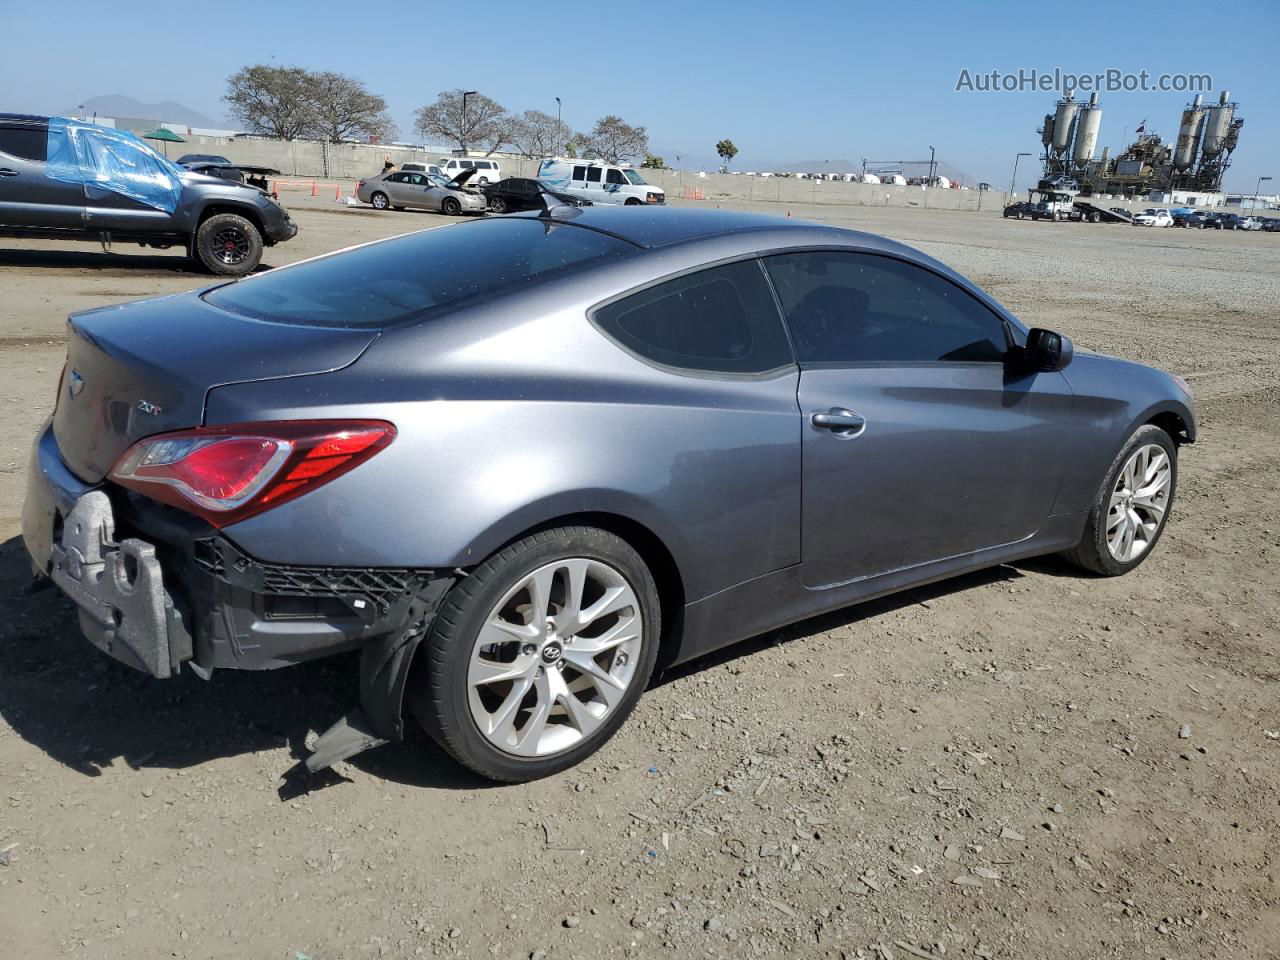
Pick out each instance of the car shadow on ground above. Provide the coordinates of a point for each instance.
(91, 713)
(171, 261)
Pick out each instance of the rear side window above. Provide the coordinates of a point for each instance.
(593, 175)
(25, 142)
(408, 277)
(718, 321)
(579, 173)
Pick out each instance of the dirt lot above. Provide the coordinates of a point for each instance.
(988, 768)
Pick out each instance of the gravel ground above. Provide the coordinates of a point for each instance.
(993, 767)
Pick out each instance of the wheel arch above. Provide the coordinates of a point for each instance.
(217, 207)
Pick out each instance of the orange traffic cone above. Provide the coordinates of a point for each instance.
(313, 190)
(337, 191)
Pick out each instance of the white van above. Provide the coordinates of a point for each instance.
(413, 166)
(598, 181)
(487, 171)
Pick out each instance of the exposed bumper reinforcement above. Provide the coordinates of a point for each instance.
(125, 610)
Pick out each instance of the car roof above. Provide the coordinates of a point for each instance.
(662, 226)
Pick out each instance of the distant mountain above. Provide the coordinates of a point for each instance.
(118, 105)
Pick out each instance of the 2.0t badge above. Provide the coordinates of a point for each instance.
(147, 407)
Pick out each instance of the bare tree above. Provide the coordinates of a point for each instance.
(345, 108)
(471, 121)
(613, 140)
(535, 133)
(275, 101)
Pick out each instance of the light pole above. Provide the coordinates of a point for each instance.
(465, 94)
(932, 166)
(1014, 179)
(1256, 187)
(559, 125)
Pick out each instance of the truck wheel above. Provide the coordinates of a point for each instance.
(631, 202)
(228, 245)
(536, 659)
(1095, 217)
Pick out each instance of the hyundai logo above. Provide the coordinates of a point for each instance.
(76, 384)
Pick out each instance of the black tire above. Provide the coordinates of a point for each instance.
(1091, 552)
(451, 207)
(228, 245)
(498, 205)
(438, 696)
(380, 201)
(1095, 217)
(631, 202)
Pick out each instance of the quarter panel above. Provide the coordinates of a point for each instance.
(505, 423)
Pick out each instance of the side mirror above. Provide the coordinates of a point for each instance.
(1047, 351)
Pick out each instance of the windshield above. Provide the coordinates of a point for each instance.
(406, 277)
(635, 178)
(438, 180)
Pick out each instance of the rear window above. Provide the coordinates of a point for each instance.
(26, 142)
(406, 277)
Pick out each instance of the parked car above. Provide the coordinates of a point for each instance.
(522, 460)
(62, 179)
(599, 182)
(415, 167)
(254, 176)
(400, 190)
(188, 159)
(1248, 223)
(521, 193)
(1193, 218)
(1020, 210)
(1152, 217)
(487, 171)
(1271, 224)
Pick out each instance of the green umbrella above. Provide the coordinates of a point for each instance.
(164, 134)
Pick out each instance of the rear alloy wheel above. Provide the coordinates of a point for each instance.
(451, 206)
(229, 245)
(380, 201)
(1132, 507)
(537, 657)
(498, 205)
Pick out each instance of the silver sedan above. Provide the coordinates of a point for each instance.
(401, 189)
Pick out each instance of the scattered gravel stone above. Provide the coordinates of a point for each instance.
(572, 921)
(1184, 731)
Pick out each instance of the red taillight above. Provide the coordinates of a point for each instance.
(227, 473)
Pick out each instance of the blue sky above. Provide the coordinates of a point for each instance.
(834, 81)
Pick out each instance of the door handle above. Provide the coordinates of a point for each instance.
(8, 172)
(841, 422)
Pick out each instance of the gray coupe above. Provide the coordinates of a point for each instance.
(521, 463)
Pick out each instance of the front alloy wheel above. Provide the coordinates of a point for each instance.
(1139, 501)
(539, 655)
(1132, 506)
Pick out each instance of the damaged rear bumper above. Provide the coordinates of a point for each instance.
(157, 588)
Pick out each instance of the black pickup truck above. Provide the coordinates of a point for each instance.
(62, 179)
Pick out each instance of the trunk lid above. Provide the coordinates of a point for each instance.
(144, 368)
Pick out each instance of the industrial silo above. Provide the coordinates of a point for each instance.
(1184, 153)
(1063, 120)
(1217, 125)
(1087, 124)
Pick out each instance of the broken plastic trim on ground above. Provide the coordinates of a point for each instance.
(114, 161)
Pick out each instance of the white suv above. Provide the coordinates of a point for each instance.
(487, 171)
